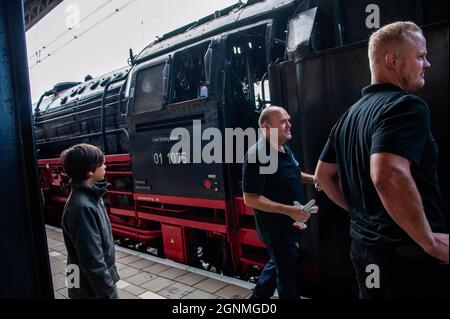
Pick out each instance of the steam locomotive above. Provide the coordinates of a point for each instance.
(309, 56)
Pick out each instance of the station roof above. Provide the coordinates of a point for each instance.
(35, 10)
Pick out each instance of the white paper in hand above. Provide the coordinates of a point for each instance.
(299, 224)
(310, 208)
(309, 205)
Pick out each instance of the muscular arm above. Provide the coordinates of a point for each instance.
(327, 175)
(264, 204)
(391, 175)
(306, 178)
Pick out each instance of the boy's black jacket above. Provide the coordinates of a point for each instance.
(89, 242)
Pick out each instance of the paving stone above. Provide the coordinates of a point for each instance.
(59, 296)
(135, 290)
(210, 285)
(62, 250)
(58, 267)
(58, 237)
(63, 292)
(53, 260)
(54, 254)
(199, 294)
(59, 247)
(121, 254)
(127, 272)
(61, 257)
(140, 278)
(59, 281)
(122, 284)
(172, 273)
(141, 264)
(232, 292)
(176, 291)
(150, 295)
(156, 268)
(120, 266)
(129, 259)
(190, 279)
(56, 245)
(157, 284)
(126, 295)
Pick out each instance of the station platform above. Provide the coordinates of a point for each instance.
(144, 276)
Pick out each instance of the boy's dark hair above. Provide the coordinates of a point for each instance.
(80, 159)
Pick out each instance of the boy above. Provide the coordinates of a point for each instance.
(86, 226)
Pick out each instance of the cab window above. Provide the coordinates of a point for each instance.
(188, 77)
(149, 90)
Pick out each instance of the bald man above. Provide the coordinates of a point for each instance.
(380, 163)
(272, 197)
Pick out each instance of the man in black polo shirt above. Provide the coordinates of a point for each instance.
(379, 164)
(272, 197)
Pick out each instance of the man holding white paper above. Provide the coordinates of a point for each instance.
(273, 198)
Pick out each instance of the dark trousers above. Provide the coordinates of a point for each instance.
(281, 273)
(402, 274)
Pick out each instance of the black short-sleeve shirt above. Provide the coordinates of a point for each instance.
(385, 119)
(283, 186)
